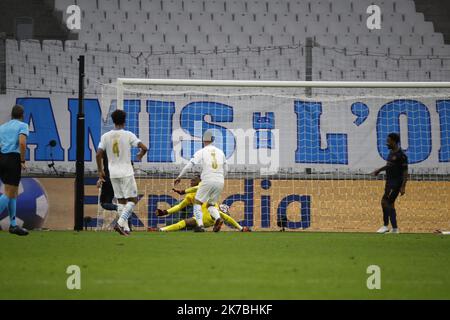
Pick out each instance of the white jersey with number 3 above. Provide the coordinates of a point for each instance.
(213, 162)
(117, 145)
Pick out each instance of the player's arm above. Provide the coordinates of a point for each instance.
(179, 206)
(377, 172)
(99, 160)
(405, 174)
(23, 149)
(191, 189)
(143, 151)
(225, 166)
(230, 220)
(196, 159)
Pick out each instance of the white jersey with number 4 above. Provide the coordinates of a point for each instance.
(213, 162)
(117, 145)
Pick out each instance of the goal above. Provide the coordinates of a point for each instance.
(300, 153)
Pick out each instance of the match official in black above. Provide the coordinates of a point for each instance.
(396, 177)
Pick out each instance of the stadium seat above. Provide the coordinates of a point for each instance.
(425, 27)
(240, 40)
(401, 28)
(256, 6)
(320, 7)
(202, 17)
(352, 75)
(260, 40)
(442, 51)
(62, 5)
(86, 5)
(231, 28)
(341, 7)
(411, 40)
(107, 5)
(421, 51)
(197, 38)
(274, 28)
(388, 40)
(209, 27)
(214, 6)
(408, 64)
(433, 39)
(430, 64)
(399, 51)
(337, 28)
(314, 28)
(326, 40)
(278, 7)
(151, 6)
(175, 38)
(405, 6)
(252, 27)
(368, 40)
(295, 27)
(146, 27)
(129, 5)
(193, 5)
(282, 39)
(219, 39)
(298, 7)
(167, 27)
(235, 6)
(223, 18)
(158, 17)
(345, 40)
(172, 5)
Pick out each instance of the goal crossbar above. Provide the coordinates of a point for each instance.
(121, 82)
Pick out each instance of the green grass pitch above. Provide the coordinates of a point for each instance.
(227, 265)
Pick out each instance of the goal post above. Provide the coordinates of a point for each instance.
(299, 159)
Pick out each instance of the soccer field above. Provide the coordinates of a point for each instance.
(227, 265)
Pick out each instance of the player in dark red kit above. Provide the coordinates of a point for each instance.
(396, 177)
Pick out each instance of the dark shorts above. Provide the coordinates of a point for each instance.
(107, 194)
(391, 191)
(10, 168)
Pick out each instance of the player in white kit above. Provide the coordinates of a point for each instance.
(214, 168)
(117, 144)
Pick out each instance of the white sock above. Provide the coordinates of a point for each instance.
(126, 214)
(214, 212)
(198, 214)
(120, 208)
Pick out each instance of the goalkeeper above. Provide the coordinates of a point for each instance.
(190, 223)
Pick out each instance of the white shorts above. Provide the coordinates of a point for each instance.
(209, 191)
(124, 188)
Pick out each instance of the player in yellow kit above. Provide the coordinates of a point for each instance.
(189, 200)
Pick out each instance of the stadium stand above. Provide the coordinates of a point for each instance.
(127, 37)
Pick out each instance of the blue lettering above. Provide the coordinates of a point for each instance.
(419, 128)
(160, 114)
(305, 211)
(443, 108)
(39, 111)
(308, 137)
(192, 118)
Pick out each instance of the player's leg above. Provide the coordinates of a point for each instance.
(107, 196)
(130, 194)
(183, 224)
(201, 197)
(385, 208)
(11, 176)
(391, 208)
(215, 192)
(117, 184)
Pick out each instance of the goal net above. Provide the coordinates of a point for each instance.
(300, 153)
